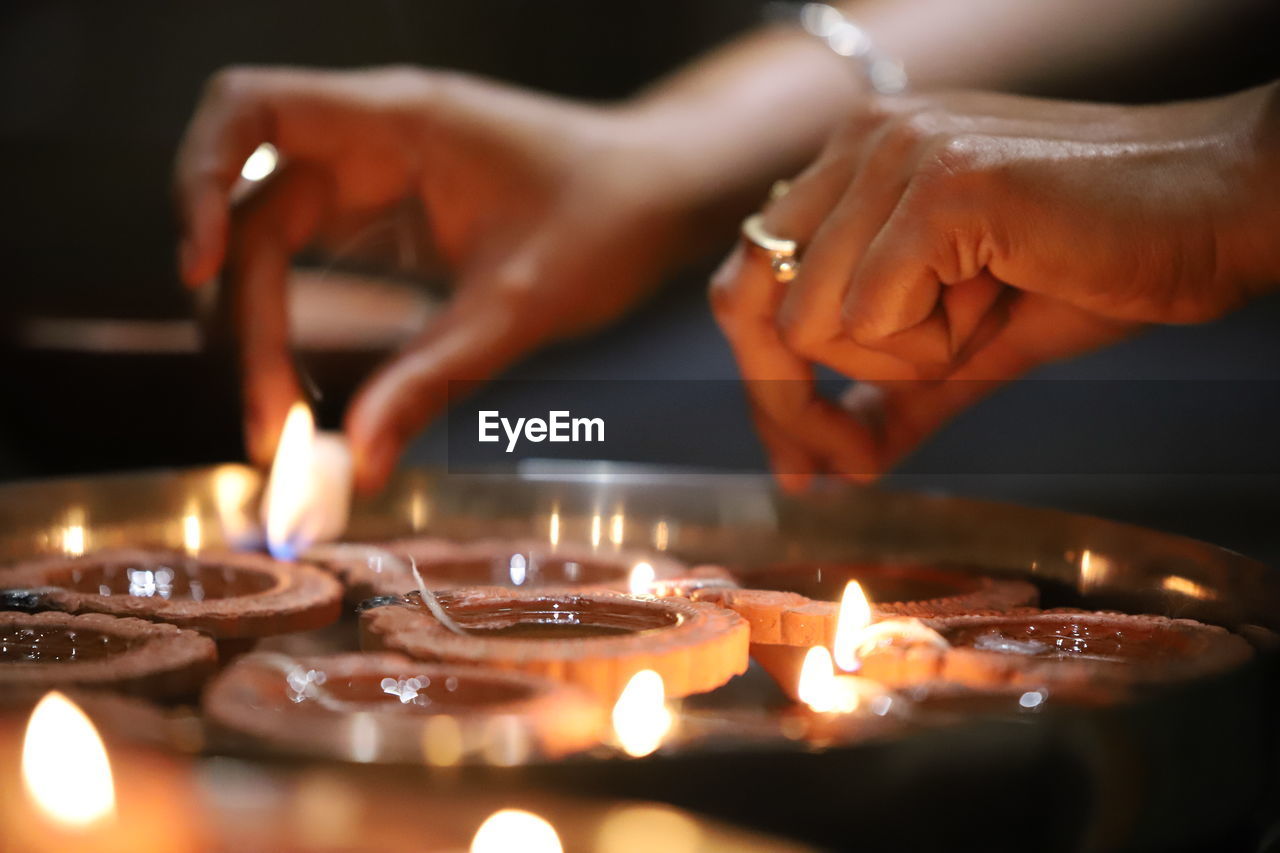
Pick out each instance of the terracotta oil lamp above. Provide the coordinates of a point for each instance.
(234, 597)
(1068, 651)
(597, 640)
(387, 708)
(39, 651)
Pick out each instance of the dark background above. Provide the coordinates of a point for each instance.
(93, 99)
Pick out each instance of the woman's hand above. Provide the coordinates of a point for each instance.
(972, 237)
(554, 218)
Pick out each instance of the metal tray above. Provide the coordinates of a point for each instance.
(1192, 767)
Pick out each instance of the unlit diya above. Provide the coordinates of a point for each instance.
(388, 708)
(797, 605)
(597, 640)
(1068, 649)
(384, 568)
(155, 660)
(231, 596)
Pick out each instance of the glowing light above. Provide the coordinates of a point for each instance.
(645, 828)
(1031, 699)
(854, 617)
(442, 741)
(641, 718)
(596, 524)
(641, 579)
(1187, 587)
(64, 764)
(1095, 570)
(518, 568)
(824, 691)
(192, 530)
(817, 687)
(261, 163)
(510, 830)
(309, 490)
(615, 528)
(661, 536)
(553, 528)
(418, 510)
(74, 537)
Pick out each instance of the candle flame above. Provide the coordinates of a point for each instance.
(512, 829)
(308, 492)
(289, 487)
(64, 764)
(641, 718)
(640, 581)
(817, 687)
(854, 617)
(827, 692)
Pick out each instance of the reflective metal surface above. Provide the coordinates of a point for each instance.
(733, 519)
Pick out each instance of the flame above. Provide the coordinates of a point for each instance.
(596, 522)
(308, 493)
(640, 582)
(192, 529)
(641, 718)
(73, 537)
(825, 691)
(513, 829)
(854, 617)
(616, 529)
(818, 686)
(64, 764)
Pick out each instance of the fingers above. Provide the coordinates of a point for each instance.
(230, 122)
(361, 125)
(480, 333)
(267, 229)
(1037, 330)
(801, 429)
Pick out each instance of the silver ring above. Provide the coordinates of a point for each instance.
(783, 254)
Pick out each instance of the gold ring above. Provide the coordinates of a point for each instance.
(783, 253)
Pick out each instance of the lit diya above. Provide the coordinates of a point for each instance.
(388, 708)
(1069, 650)
(597, 640)
(155, 660)
(386, 568)
(234, 597)
(796, 605)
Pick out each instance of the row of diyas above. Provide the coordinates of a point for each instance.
(529, 672)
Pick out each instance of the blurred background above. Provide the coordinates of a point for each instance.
(104, 367)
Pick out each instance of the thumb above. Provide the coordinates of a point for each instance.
(477, 336)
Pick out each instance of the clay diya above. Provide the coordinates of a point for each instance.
(383, 568)
(798, 605)
(39, 651)
(597, 640)
(388, 708)
(234, 597)
(1069, 650)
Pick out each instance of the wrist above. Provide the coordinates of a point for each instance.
(717, 136)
